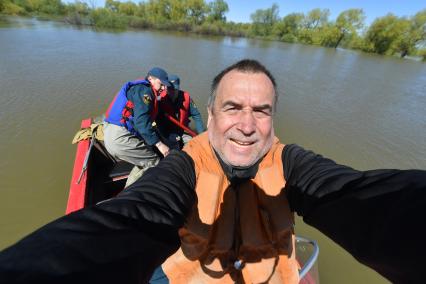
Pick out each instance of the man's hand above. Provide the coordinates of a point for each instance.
(163, 148)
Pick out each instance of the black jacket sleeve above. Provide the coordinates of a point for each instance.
(121, 240)
(377, 216)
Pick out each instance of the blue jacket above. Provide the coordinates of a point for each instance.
(139, 98)
(196, 115)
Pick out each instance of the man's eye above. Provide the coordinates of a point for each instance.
(262, 112)
(230, 109)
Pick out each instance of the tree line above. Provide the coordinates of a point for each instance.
(389, 35)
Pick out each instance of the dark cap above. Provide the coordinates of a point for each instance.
(161, 74)
(174, 79)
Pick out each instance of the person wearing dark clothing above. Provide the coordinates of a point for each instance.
(124, 239)
(180, 106)
(179, 98)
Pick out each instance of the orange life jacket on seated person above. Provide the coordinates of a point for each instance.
(236, 234)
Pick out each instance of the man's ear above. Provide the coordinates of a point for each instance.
(209, 117)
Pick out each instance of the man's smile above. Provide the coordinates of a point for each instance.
(241, 142)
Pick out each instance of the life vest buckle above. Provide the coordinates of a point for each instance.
(239, 264)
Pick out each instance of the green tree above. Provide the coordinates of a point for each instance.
(422, 54)
(141, 10)
(316, 18)
(356, 41)
(158, 10)
(10, 8)
(2, 5)
(328, 36)
(288, 28)
(264, 20)
(384, 33)
(313, 23)
(348, 23)
(52, 7)
(196, 11)
(112, 5)
(178, 11)
(217, 10)
(105, 18)
(128, 8)
(78, 13)
(78, 7)
(413, 33)
(32, 5)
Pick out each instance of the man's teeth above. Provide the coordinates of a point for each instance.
(242, 142)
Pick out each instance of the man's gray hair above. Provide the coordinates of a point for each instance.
(245, 66)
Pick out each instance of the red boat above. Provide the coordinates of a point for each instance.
(98, 176)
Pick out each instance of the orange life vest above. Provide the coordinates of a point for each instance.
(236, 234)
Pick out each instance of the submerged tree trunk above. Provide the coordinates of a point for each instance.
(339, 40)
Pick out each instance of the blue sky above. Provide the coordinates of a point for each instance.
(240, 10)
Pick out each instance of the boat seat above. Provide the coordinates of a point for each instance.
(120, 170)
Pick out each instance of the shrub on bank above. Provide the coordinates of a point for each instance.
(104, 18)
(422, 54)
(209, 29)
(139, 23)
(75, 18)
(290, 38)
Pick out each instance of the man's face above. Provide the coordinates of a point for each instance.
(240, 122)
(155, 83)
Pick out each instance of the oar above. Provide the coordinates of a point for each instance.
(187, 129)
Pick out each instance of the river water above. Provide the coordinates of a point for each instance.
(366, 111)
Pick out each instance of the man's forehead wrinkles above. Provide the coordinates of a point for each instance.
(260, 105)
(231, 102)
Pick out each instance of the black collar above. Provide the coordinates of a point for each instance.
(238, 175)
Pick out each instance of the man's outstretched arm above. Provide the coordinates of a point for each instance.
(121, 240)
(375, 215)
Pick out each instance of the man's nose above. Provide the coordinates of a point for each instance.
(247, 122)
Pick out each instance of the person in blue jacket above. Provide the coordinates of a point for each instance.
(129, 134)
(178, 105)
